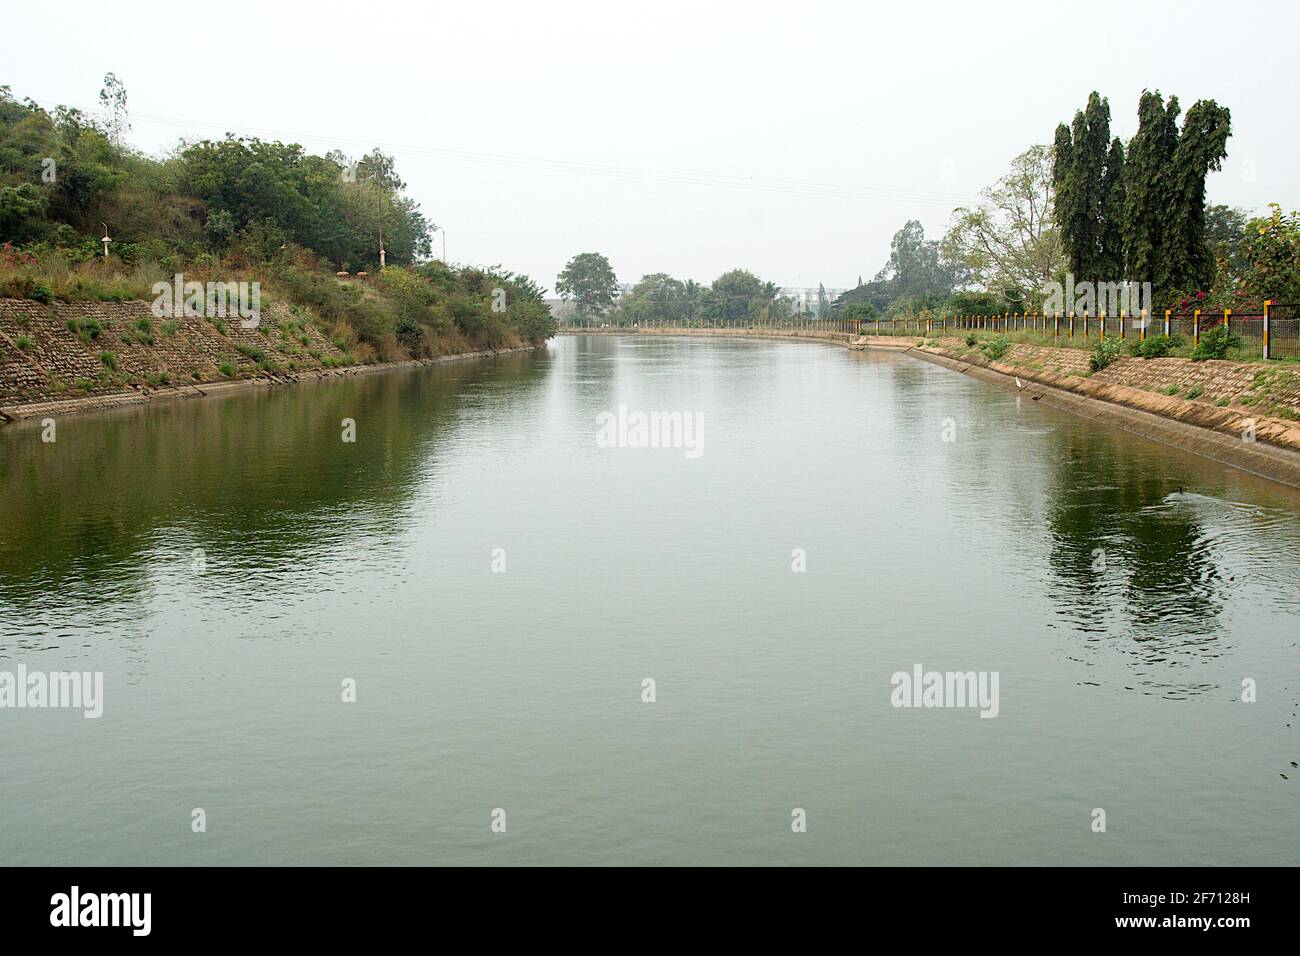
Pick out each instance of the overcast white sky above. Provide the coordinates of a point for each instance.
(675, 137)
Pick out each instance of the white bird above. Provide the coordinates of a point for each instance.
(1018, 383)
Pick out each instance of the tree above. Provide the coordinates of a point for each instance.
(112, 99)
(1139, 214)
(1111, 237)
(734, 297)
(919, 272)
(860, 311)
(1225, 235)
(589, 280)
(657, 299)
(692, 296)
(1202, 147)
(1010, 242)
(1088, 177)
(1149, 155)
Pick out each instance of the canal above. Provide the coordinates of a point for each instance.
(501, 594)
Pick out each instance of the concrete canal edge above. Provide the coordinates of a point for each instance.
(1215, 434)
(1212, 433)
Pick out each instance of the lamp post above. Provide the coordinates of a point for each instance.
(105, 240)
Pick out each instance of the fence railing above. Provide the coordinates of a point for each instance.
(1274, 332)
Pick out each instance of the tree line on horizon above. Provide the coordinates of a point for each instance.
(735, 297)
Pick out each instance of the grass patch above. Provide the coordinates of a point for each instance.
(252, 352)
(144, 331)
(85, 328)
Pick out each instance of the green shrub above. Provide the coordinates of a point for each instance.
(1168, 390)
(996, 347)
(41, 292)
(1193, 392)
(227, 369)
(1156, 346)
(23, 342)
(1103, 353)
(109, 360)
(1214, 343)
(170, 328)
(971, 338)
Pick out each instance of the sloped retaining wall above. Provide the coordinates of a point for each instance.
(47, 369)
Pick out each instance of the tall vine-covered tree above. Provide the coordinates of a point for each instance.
(1111, 262)
(1202, 147)
(1164, 223)
(1086, 189)
(1145, 195)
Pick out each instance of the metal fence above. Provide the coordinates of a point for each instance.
(1274, 332)
(1284, 332)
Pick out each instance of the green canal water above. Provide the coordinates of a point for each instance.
(1121, 590)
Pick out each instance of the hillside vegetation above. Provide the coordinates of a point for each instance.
(241, 210)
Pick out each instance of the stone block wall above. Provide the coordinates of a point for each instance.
(41, 358)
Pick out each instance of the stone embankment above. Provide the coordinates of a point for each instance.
(60, 357)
